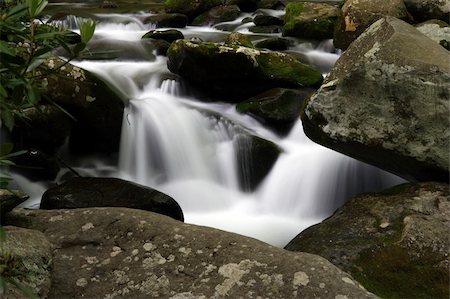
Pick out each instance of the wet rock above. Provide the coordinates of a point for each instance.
(169, 20)
(266, 20)
(36, 165)
(167, 35)
(190, 8)
(357, 15)
(27, 257)
(386, 102)
(278, 108)
(233, 72)
(245, 5)
(109, 192)
(274, 44)
(437, 30)
(238, 39)
(119, 252)
(265, 29)
(9, 199)
(271, 4)
(218, 14)
(389, 241)
(423, 10)
(310, 20)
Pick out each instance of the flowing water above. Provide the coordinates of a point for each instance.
(186, 148)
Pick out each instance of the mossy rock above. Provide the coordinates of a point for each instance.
(167, 35)
(235, 72)
(392, 242)
(238, 39)
(173, 20)
(218, 14)
(190, 8)
(310, 20)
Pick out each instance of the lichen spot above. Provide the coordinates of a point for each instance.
(340, 297)
(87, 226)
(250, 53)
(300, 279)
(82, 282)
(321, 285)
(56, 218)
(348, 280)
(149, 247)
(90, 99)
(116, 251)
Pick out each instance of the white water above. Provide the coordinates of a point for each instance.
(187, 149)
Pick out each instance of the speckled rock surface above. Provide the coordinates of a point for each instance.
(436, 30)
(27, 255)
(423, 10)
(395, 242)
(386, 102)
(124, 253)
(357, 15)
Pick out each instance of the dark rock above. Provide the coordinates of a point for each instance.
(169, 20)
(218, 14)
(271, 4)
(357, 15)
(237, 72)
(255, 157)
(265, 29)
(108, 4)
(423, 10)
(36, 165)
(238, 39)
(310, 20)
(190, 8)
(119, 252)
(265, 20)
(26, 256)
(278, 108)
(162, 47)
(274, 44)
(9, 199)
(389, 241)
(386, 102)
(109, 192)
(226, 27)
(167, 35)
(245, 5)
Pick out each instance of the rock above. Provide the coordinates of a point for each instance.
(274, 44)
(389, 241)
(266, 20)
(265, 29)
(166, 35)
(386, 102)
(167, 20)
(310, 20)
(445, 44)
(108, 4)
(436, 30)
(278, 108)
(109, 192)
(190, 8)
(238, 39)
(119, 252)
(255, 158)
(234, 72)
(36, 165)
(271, 4)
(423, 10)
(9, 200)
(162, 46)
(97, 107)
(245, 5)
(27, 257)
(218, 14)
(357, 15)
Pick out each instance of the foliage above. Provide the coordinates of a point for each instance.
(26, 42)
(6, 154)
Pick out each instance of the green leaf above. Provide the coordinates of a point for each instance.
(87, 30)
(35, 7)
(7, 118)
(34, 95)
(15, 154)
(5, 48)
(78, 48)
(6, 163)
(3, 92)
(5, 149)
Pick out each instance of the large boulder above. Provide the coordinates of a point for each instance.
(423, 10)
(386, 102)
(25, 261)
(395, 242)
(218, 14)
(190, 8)
(235, 72)
(278, 108)
(357, 15)
(109, 192)
(437, 30)
(310, 20)
(125, 253)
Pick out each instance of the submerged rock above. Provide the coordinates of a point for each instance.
(386, 102)
(109, 192)
(233, 72)
(278, 108)
(310, 20)
(357, 15)
(218, 14)
(118, 252)
(389, 241)
(169, 20)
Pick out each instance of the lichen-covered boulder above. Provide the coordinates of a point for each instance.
(167, 20)
(170, 35)
(25, 259)
(357, 15)
(234, 72)
(119, 252)
(190, 8)
(310, 20)
(395, 242)
(218, 14)
(423, 10)
(386, 102)
(437, 30)
(109, 192)
(9, 199)
(238, 39)
(279, 108)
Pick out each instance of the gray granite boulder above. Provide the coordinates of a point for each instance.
(125, 253)
(386, 102)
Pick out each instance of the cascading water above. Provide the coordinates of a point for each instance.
(188, 150)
